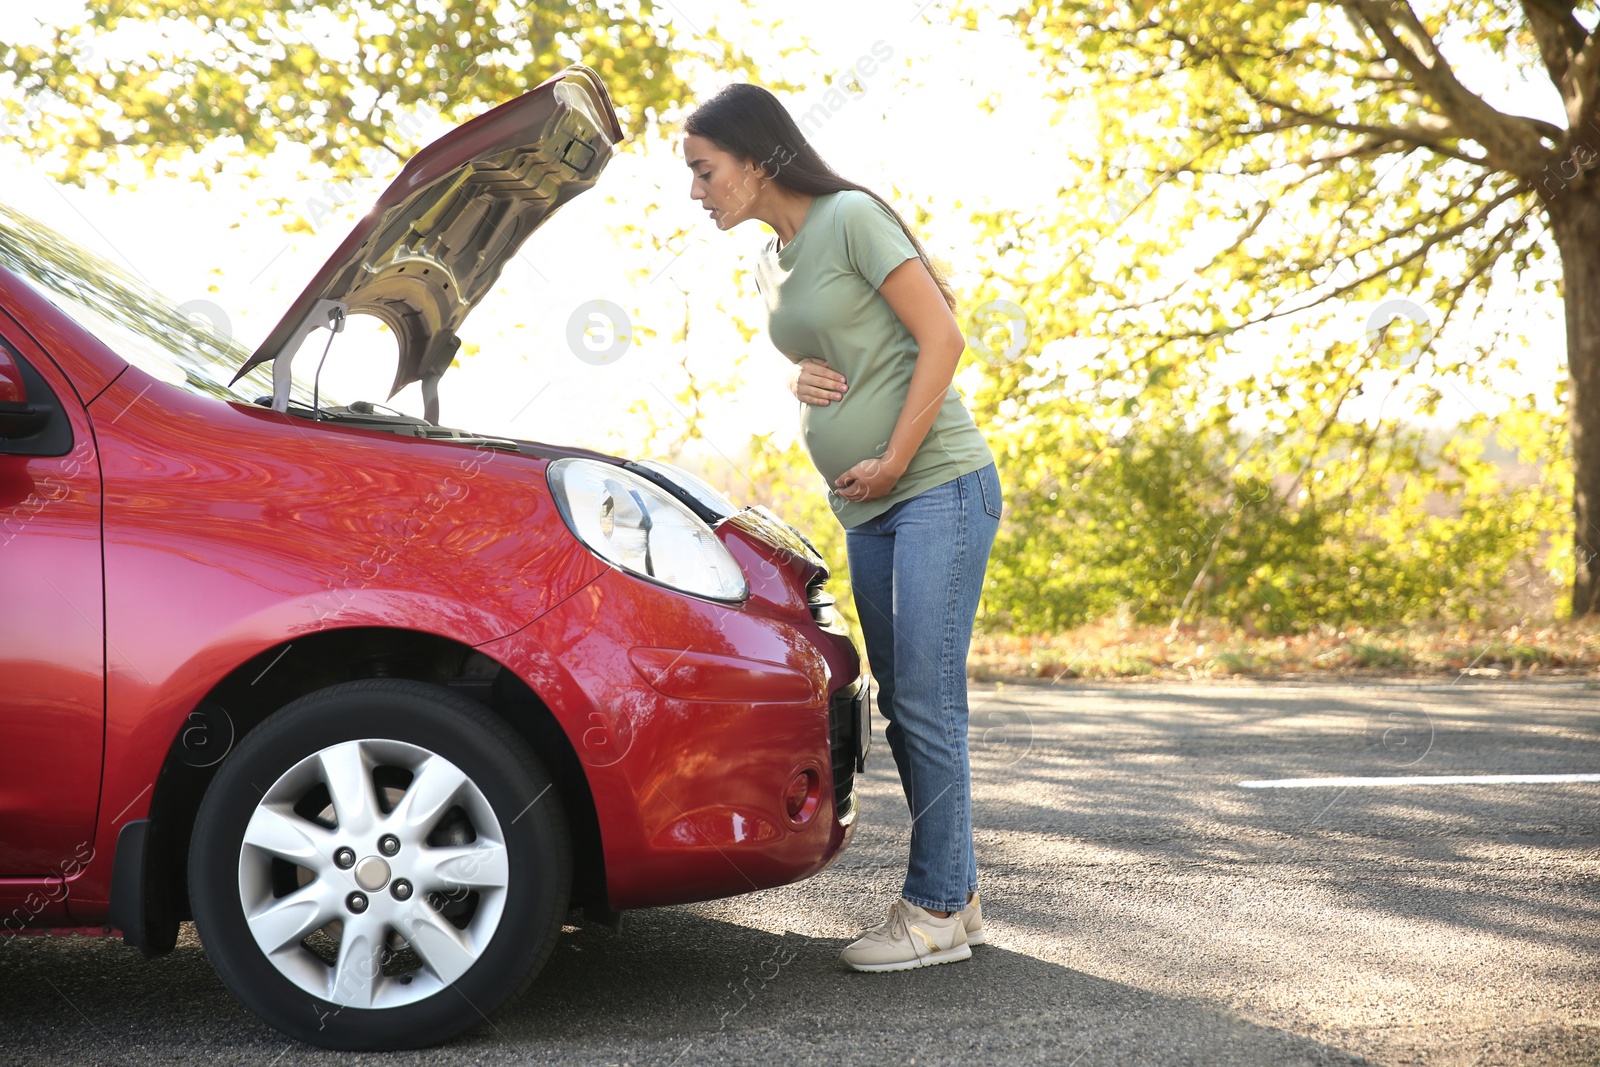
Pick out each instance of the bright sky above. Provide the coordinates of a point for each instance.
(917, 131)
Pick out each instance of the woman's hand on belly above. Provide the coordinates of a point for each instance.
(869, 479)
(816, 383)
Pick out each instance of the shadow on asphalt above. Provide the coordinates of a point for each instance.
(674, 988)
(1159, 784)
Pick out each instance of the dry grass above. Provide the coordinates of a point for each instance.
(1108, 650)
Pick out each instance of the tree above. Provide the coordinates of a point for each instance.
(182, 87)
(1303, 161)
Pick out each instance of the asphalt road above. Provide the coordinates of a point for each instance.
(1144, 909)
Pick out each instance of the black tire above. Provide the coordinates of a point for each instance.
(531, 830)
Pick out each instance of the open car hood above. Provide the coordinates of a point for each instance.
(437, 238)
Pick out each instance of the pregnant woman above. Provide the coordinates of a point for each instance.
(868, 322)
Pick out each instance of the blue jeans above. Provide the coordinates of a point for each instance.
(917, 571)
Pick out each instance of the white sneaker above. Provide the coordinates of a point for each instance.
(910, 937)
(972, 919)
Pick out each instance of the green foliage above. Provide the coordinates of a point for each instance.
(1217, 415)
(181, 87)
(1168, 524)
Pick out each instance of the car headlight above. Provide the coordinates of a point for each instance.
(626, 520)
(703, 491)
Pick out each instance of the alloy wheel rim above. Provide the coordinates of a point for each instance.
(373, 873)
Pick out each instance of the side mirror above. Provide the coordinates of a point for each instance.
(18, 418)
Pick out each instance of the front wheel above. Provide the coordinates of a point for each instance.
(379, 866)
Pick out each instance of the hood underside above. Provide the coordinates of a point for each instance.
(438, 237)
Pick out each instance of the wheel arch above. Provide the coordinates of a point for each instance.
(149, 891)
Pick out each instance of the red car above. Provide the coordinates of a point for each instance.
(374, 701)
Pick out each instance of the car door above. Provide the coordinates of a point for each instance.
(52, 648)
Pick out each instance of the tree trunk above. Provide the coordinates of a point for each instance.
(1575, 223)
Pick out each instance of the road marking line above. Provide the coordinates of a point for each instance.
(1422, 779)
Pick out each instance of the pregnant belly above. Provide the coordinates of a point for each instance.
(839, 436)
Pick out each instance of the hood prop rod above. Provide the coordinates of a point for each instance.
(335, 326)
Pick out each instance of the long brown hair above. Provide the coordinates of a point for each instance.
(748, 122)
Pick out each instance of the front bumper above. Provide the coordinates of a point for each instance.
(691, 720)
(849, 737)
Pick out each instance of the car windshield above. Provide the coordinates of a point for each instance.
(129, 318)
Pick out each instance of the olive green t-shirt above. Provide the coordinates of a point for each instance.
(822, 297)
